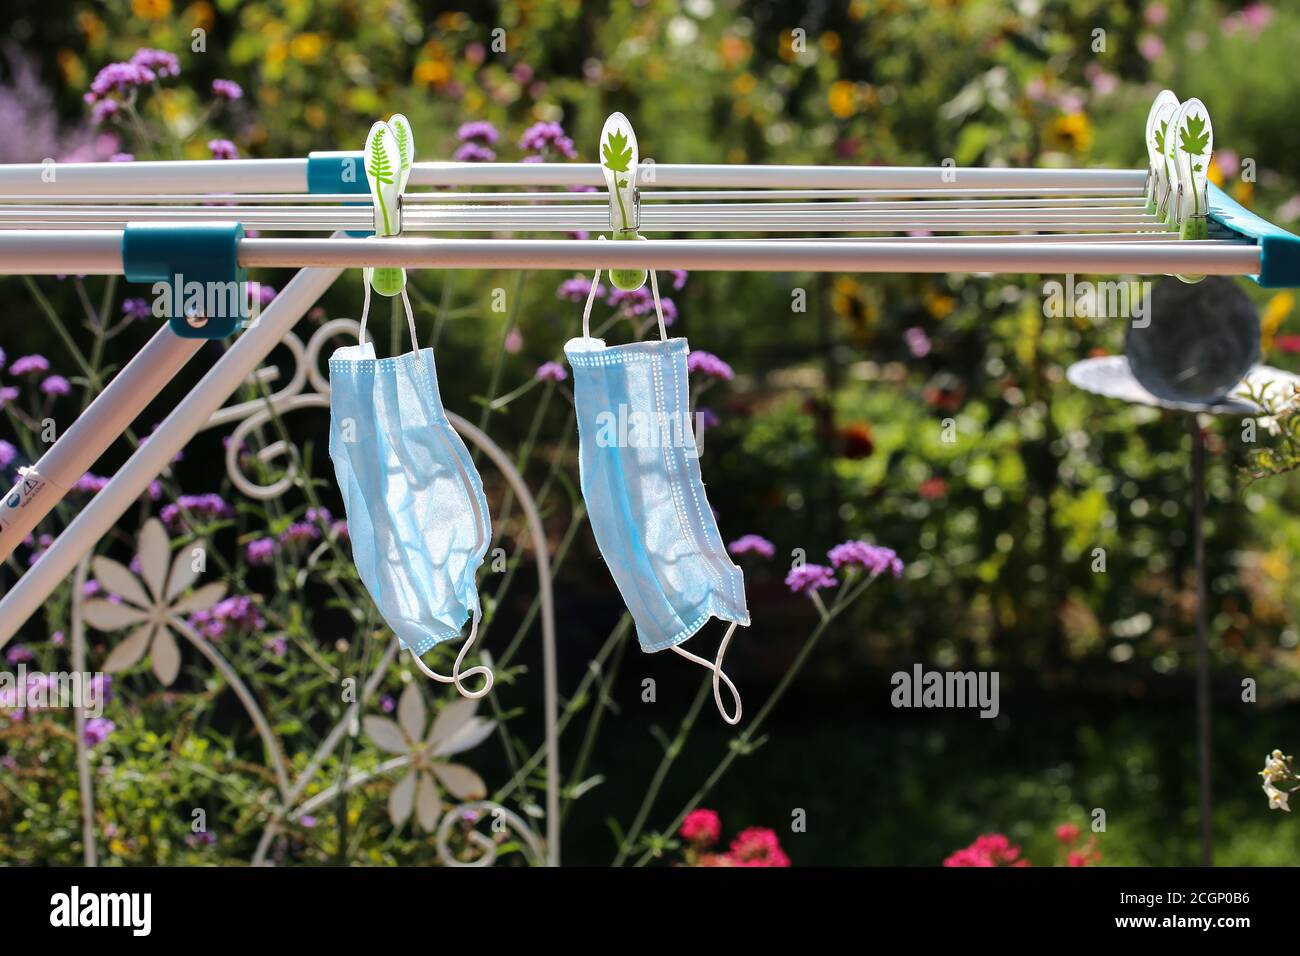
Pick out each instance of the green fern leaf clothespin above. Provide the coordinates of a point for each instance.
(1158, 117)
(389, 155)
(1190, 146)
(619, 157)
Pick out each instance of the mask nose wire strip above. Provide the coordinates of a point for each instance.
(457, 675)
(719, 677)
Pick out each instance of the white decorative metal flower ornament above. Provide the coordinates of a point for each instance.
(154, 604)
(455, 730)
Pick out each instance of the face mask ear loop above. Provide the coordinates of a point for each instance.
(719, 677)
(659, 312)
(410, 320)
(591, 297)
(457, 675)
(365, 314)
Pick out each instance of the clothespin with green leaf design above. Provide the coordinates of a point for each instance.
(619, 157)
(389, 154)
(1189, 147)
(1160, 170)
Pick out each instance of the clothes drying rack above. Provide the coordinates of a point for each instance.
(308, 214)
(155, 221)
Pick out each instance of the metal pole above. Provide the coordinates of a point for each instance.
(91, 252)
(126, 487)
(42, 486)
(1202, 645)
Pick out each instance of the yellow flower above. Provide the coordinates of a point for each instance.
(91, 27)
(73, 70)
(432, 73)
(940, 304)
(1072, 131)
(1215, 174)
(1243, 192)
(843, 99)
(151, 9)
(734, 50)
(200, 14)
(744, 84)
(307, 47)
(830, 42)
(858, 9)
(314, 115)
(1275, 313)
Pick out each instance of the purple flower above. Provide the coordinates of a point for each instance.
(196, 840)
(265, 294)
(223, 149)
(551, 372)
(307, 821)
(473, 153)
(29, 365)
(340, 530)
(707, 417)
(480, 130)
(101, 690)
(7, 454)
(319, 515)
(709, 364)
(103, 110)
(118, 78)
(7, 394)
(18, 654)
(276, 645)
(122, 158)
(387, 704)
(300, 532)
(234, 613)
(538, 137)
(159, 61)
(261, 550)
(577, 289)
(809, 578)
(679, 278)
(137, 309)
(90, 484)
(2, 359)
(56, 385)
(227, 90)
(203, 507)
(752, 544)
(57, 639)
(97, 730)
(874, 558)
(918, 343)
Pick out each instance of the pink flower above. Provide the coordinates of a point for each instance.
(989, 849)
(226, 90)
(808, 578)
(1155, 14)
(758, 846)
(1067, 832)
(874, 558)
(223, 149)
(701, 827)
(918, 343)
(706, 363)
(1151, 47)
(551, 372)
(752, 544)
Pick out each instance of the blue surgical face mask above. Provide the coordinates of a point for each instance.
(641, 483)
(417, 516)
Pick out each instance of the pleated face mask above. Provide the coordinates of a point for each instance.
(641, 482)
(417, 516)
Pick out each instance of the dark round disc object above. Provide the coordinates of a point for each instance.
(1201, 340)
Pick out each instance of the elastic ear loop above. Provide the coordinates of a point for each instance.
(457, 675)
(365, 317)
(719, 677)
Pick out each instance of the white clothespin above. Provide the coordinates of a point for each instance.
(389, 153)
(619, 158)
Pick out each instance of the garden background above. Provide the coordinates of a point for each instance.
(829, 430)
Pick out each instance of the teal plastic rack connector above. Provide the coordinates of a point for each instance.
(1279, 257)
(198, 262)
(339, 172)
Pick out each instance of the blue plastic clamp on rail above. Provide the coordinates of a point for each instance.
(1279, 256)
(198, 263)
(342, 172)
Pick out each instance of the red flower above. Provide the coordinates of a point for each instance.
(1287, 343)
(1067, 832)
(989, 849)
(757, 846)
(932, 488)
(701, 827)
